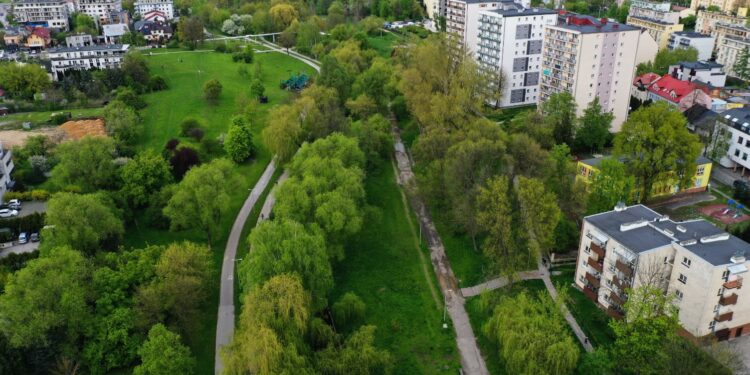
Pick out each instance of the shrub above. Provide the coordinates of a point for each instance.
(157, 83)
(40, 195)
(182, 160)
(212, 90)
(30, 223)
(210, 147)
(197, 134)
(349, 310)
(221, 47)
(20, 195)
(172, 144)
(188, 125)
(131, 98)
(60, 118)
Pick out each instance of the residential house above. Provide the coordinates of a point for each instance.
(694, 261)
(79, 40)
(660, 11)
(703, 43)
(641, 84)
(157, 32)
(681, 94)
(155, 16)
(119, 16)
(510, 44)
(588, 168)
(105, 56)
(142, 7)
(700, 71)
(700, 120)
(39, 38)
(706, 21)
(113, 32)
(15, 35)
(597, 56)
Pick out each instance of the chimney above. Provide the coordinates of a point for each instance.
(603, 21)
(620, 207)
(738, 257)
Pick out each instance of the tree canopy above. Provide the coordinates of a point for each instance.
(84, 222)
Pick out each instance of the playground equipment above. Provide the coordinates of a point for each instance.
(738, 212)
(296, 82)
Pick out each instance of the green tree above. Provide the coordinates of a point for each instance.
(286, 247)
(257, 88)
(333, 74)
(495, 217)
(273, 321)
(561, 181)
(212, 91)
(283, 15)
(375, 82)
(23, 81)
(133, 38)
(656, 146)
(86, 163)
(136, 71)
(374, 135)
(239, 140)
(180, 287)
(358, 355)
(611, 184)
(651, 324)
(144, 176)
(202, 198)
(83, 23)
(665, 57)
(560, 110)
(532, 335)
(321, 112)
(164, 353)
(740, 67)
(190, 31)
(122, 122)
(348, 310)
(539, 215)
(46, 302)
(84, 222)
(593, 130)
(114, 341)
(283, 134)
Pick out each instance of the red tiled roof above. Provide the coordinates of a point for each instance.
(41, 32)
(646, 79)
(667, 85)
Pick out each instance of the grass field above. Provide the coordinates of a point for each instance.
(185, 74)
(384, 267)
(383, 44)
(41, 118)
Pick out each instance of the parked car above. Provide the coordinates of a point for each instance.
(35, 237)
(23, 238)
(6, 212)
(14, 204)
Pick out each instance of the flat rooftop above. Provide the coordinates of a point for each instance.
(650, 230)
(590, 25)
(691, 34)
(520, 11)
(94, 47)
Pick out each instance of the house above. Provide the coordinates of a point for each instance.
(15, 35)
(700, 120)
(103, 56)
(702, 71)
(641, 84)
(155, 16)
(113, 32)
(588, 168)
(703, 43)
(39, 38)
(79, 40)
(154, 31)
(681, 94)
(99, 10)
(695, 262)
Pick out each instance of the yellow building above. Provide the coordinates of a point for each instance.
(586, 169)
(660, 30)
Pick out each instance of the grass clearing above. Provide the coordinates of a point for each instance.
(185, 74)
(384, 43)
(42, 118)
(383, 267)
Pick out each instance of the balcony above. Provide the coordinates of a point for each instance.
(614, 297)
(620, 284)
(593, 280)
(625, 268)
(724, 317)
(730, 300)
(591, 294)
(615, 313)
(598, 250)
(599, 267)
(734, 284)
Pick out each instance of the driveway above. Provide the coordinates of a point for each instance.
(29, 208)
(19, 249)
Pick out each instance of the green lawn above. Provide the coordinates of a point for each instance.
(502, 115)
(593, 320)
(185, 74)
(384, 267)
(479, 315)
(467, 263)
(384, 43)
(41, 118)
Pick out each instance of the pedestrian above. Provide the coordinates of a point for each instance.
(585, 340)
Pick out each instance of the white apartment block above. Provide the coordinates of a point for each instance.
(703, 43)
(510, 43)
(103, 56)
(589, 58)
(699, 71)
(661, 11)
(706, 21)
(49, 13)
(142, 7)
(462, 20)
(733, 126)
(729, 50)
(99, 9)
(696, 262)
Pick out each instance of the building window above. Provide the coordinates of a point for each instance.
(686, 262)
(744, 156)
(716, 308)
(712, 325)
(739, 140)
(725, 275)
(721, 290)
(700, 171)
(586, 249)
(737, 153)
(682, 279)
(678, 294)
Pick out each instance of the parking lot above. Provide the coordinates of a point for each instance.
(29, 208)
(19, 248)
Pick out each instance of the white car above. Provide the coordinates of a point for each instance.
(8, 213)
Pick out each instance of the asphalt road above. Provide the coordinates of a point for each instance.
(225, 321)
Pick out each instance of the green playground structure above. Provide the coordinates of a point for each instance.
(296, 82)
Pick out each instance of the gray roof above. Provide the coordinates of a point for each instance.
(654, 20)
(652, 236)
(94, 47)
(700, 65)
(741, 115)
(591, 25)
(691, 34)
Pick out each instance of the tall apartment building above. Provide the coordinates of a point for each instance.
(462, 19)
(589, 58)
(730, 48)
(661, 11)
(699, 264)
(48, 13)
(432, 8)
(510, 43)
(706, 21)
(659, 30)
(724, 5)
(102, 56)
(142, 7)
(703, 43)
(99, 9)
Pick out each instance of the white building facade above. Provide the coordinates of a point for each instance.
(49, 13)
(703, 43)
(511, 44)
(99, 9)
(105, 56)
(700, 71)
(142, 7)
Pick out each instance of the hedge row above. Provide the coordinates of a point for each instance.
(34, 195)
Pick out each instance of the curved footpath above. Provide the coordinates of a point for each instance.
(225, 321)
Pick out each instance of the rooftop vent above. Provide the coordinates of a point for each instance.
(727, 116)
(633, 225)
(689, 242)
(681, 229)
(738, 257)
(669, 232)
(620, 206)
(664, 218)
(715, 238)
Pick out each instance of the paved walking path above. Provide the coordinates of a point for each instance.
(265, 212)
(225, 321)
(498, 283)
(471, 358)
